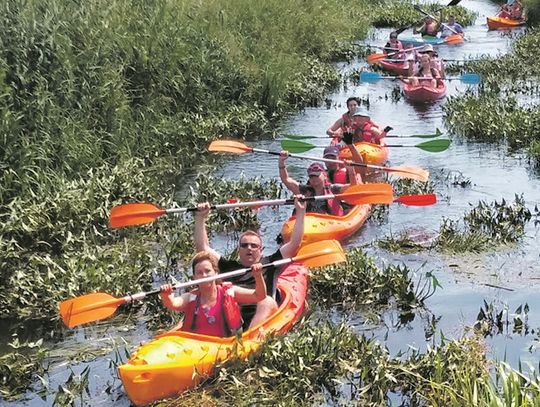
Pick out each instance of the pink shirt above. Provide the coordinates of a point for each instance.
(209, 321)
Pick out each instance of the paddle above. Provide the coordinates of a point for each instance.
(433, 146)
(143, 213)
(417, 200)
(302, 137)
(400, 30)
(236, 147)
(468, 78)
(98, 306)
(374, 58)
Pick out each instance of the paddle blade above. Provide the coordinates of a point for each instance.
(321, 254)
(409, 172)
(296, 146)
(88, 308)
(369, 77)
(368, 194)
(229, 146)
(417, 200)
(470, 78)
(434, 146)
(454, 39)
(374, 58)
(134, 214)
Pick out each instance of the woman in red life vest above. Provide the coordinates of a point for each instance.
(429, 27)
(357, 122)
(425, 73)
(318, 184)
(213, 308)
(393, 48)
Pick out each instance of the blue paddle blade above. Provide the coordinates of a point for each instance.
(470, 78)
(370, 77)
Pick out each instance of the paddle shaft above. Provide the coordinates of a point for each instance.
(325, 160)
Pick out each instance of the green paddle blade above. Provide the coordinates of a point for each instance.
(296, 146)
(434, 146)
(302, 137)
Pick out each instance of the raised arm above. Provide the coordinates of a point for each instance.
(200, 235)
(290, 183)
(290, 248)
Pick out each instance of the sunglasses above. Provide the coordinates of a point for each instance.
(250, 245)
(314, 175)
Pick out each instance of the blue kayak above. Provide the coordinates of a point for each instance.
(427, 39)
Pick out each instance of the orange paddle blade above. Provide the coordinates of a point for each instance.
(368, 194)
(410, 172)
(454, 39)
(417, 200)
(134, 214)
(88, 308)
(321, 253)
(229, 146)
(374, 58)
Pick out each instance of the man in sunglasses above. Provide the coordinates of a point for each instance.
(250, 255)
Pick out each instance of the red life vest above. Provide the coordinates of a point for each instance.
(228, 321)
(365, 133)
(333, 204)
(340, 176)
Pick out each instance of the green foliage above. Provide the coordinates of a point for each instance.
(329, 364)
(18, 367)
(485, 226)
(359, 282)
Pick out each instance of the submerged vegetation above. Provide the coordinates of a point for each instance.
(323, 363)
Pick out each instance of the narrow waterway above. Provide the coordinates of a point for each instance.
(494, 174)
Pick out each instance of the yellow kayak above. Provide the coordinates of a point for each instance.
(176, 361)
(320, 226)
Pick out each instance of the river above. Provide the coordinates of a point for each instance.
(494, 174)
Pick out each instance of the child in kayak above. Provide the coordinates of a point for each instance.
(213, 308)
(425, 73)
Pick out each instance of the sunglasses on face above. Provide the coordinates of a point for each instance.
(314, 175)
(250, 245)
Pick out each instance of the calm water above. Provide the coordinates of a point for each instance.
(494, 174)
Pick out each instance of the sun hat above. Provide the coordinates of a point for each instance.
(331, 151)
(315, 169)
(360, 111)
(426, 48)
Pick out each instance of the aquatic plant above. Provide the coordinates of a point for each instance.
(486, 225)
(359, 282)
(18, 367)
(491, 321)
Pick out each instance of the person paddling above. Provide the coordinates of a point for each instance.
(357, 121)
(435, 61)
(393, 48)
(213, 308)
(429, 27)
(250, 252)
(451, 27)
(318, 184)
(425, 73)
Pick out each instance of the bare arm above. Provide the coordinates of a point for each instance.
(335, 129)
(251, 296)
(200, 235)
(290, 183)
(173, 303)
(290, 248)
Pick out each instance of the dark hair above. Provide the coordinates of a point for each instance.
(353, 98)
(393, 34)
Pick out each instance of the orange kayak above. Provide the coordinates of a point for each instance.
(176, 361)
(320, 226)
(374, 154)
(423, 92)
(501, 22)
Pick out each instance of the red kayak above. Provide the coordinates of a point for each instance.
(424, 92)
(398, 67)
